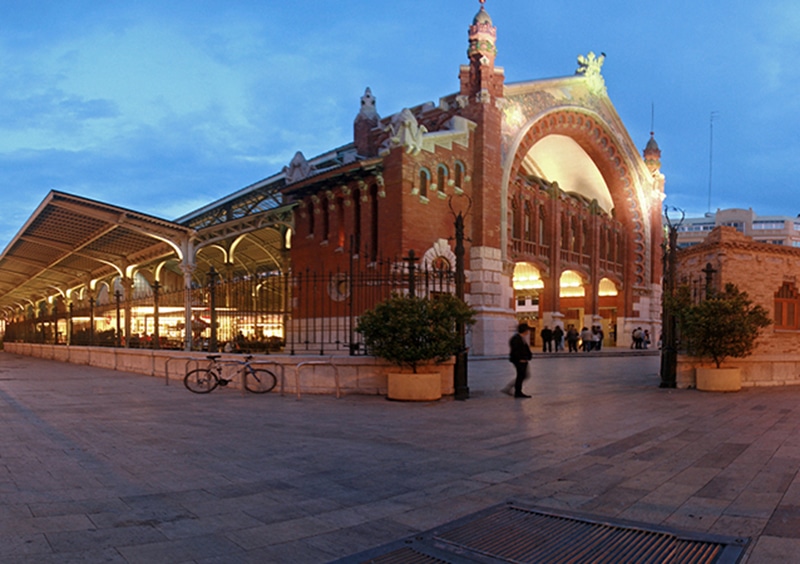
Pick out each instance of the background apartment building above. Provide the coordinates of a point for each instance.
(773, 229)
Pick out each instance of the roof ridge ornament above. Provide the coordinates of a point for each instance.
(590, 66)
(299, 169)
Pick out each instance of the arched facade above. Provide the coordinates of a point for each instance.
(568, 170)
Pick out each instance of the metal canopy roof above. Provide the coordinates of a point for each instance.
(70, 240)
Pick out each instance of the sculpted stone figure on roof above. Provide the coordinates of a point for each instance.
(405, 132)
(590, 66)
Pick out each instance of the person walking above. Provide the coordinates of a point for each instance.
(520, 355)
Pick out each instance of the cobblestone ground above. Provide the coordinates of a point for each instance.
(102, 466)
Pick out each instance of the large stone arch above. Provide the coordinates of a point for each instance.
(598, 140)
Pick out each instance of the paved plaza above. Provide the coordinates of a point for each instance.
(104, 466)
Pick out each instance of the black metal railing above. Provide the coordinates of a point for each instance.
(299, 312)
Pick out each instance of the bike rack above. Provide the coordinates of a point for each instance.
(185, 366)
(166, 367)
(279, 368)
(315, 363)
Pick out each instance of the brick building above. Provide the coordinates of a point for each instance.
(770, 274)
(563, 216)
(562, 220)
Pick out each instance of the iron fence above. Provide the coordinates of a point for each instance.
(302, 312)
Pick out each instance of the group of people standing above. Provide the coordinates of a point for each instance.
(590, 339)
(640, 339)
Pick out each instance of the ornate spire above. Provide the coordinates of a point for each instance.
(652, 154)
(482, 37)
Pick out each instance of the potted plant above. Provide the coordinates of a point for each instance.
(725, 324)
(412, 333)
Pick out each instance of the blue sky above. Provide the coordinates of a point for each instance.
(165, 106)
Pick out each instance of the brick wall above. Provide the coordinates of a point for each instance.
(760, 270)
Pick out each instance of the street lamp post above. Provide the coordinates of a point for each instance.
(460, 370)
(669, 350)
(118, 340)
(212, 298)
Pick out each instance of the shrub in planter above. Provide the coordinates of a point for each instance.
(725, 324)
(410, 331)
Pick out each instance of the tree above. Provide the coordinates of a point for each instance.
(725, 324)
(409, 331)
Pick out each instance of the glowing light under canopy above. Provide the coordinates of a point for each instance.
(558, 158)
(607, 288)
(571, 285)
(527, 277)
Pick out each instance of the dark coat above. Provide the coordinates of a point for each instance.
(520, 350)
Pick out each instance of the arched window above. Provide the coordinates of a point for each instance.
(574, 235)
(459, 171)
(356, 222)
(607, 288)
(373, 223)
(528, 223)
(543, 239)
(340, 238)
(424, 182)
(311, 219)
(565, 238)
(515, 219)
(571, 285)
(603, 242)
(585, 238)
(326, 219)
(787, 304)
(441, 177)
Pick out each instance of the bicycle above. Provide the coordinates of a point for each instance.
(204, 380)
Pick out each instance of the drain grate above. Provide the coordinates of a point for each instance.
(512, 533)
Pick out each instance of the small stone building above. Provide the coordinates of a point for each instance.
(769, 274)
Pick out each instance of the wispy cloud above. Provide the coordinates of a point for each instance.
(163, 107)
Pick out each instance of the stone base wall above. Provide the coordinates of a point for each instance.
(297, 375)
(757, 370)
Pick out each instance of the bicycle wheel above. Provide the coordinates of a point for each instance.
(200, 381)
(259, 381)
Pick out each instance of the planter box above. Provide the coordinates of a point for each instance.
(718, 379)
(414, 387)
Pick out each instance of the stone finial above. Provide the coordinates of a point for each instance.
(365, 121)
(299, 168)
(368, 108)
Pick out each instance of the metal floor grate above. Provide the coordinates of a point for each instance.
(512, 533)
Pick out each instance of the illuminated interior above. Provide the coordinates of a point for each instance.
(571, 285)
(171, 323)
(558, 158)
(607, 288)
(527, 277)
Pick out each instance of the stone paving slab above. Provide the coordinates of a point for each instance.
(104, 466)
